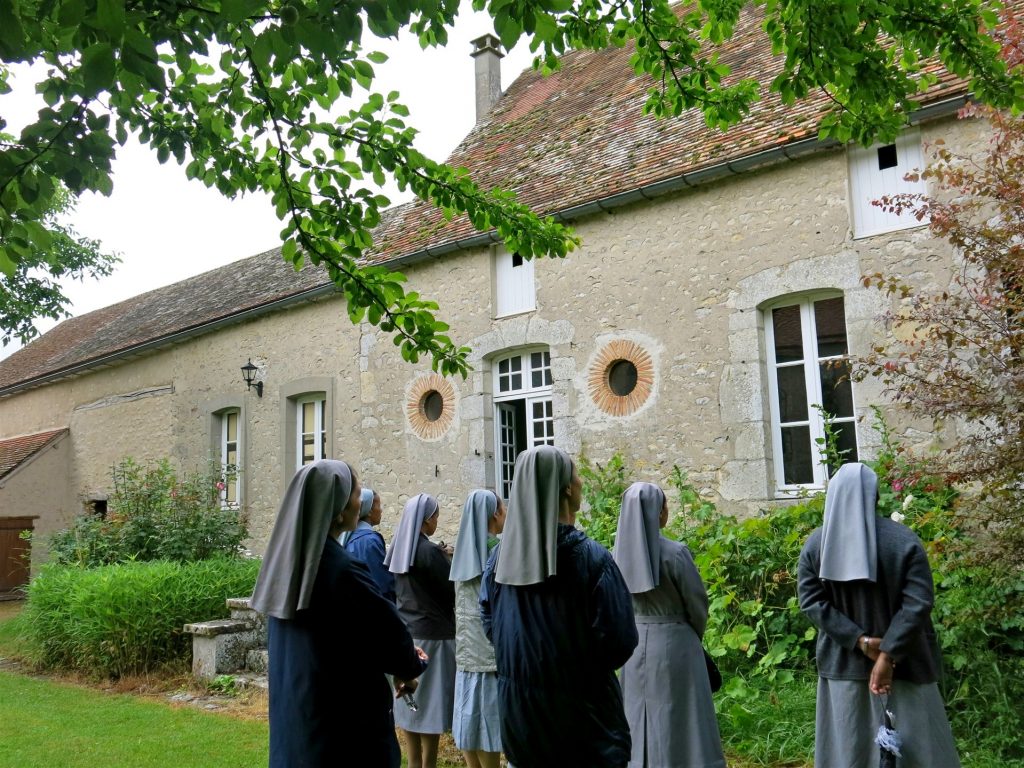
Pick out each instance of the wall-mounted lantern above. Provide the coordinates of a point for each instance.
(249, 374)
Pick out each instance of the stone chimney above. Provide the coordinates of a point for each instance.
(488, 56)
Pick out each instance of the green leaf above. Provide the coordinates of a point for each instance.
(110, 17)
(98, 68)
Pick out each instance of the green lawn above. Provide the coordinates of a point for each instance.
(45, 723)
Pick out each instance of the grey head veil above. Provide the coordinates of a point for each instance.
(314, 497)
(848, 545)
(638, 538)
(402, 551)
(365, 505)
(471, 545)
(528, 545)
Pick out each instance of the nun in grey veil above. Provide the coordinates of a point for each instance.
(476, 726)
(331, 636)
(865, 583)
(665, 683)
(547, 586)
(426, 602)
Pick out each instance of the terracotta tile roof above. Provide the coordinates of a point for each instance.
(16, 450)
(580, 135)
(559, 141)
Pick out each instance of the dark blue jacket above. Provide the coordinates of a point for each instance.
(557, 646)
(329, 702)
(367, 545)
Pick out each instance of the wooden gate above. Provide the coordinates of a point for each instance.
(14, 555)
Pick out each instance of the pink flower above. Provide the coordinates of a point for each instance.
(220, 485)
(897, 486)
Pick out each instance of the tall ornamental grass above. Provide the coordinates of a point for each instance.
(127, 618)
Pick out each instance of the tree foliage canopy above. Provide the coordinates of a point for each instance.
(246, 95)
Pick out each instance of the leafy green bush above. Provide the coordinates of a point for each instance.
(127, 618)
(154, 514)
(603, 487)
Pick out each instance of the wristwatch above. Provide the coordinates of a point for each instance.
(864, 643)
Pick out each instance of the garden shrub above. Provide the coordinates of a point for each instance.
(154, 514)
(127, 618)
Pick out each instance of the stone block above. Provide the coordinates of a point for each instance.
(256, 661)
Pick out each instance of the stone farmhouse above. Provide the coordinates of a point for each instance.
(700, 323)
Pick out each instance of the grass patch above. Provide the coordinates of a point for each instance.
(773, 727)
(47, 723)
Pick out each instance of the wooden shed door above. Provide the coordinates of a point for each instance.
(14, 553)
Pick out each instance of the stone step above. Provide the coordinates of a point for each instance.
(256, 661)
(240, 609)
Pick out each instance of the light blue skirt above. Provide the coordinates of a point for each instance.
(435, 696)
(476, 725)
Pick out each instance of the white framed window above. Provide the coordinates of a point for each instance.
(808, 372)
(523, 412)
(311, 429)
(515, 289)
(230, 458)
(878, 171)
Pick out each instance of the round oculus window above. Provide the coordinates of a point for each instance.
(432, 405)
(622, 377)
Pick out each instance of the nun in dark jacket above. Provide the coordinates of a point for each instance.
(865, 583)
(331, 636)
(561, 619)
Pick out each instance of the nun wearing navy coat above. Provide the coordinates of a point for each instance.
(331, 635)
(665, 683)
(561, 619)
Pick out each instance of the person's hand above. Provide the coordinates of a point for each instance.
(421, 653)
(881, 674)
(403, 687)
(870, 647)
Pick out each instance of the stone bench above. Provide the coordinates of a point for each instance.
(219, 646)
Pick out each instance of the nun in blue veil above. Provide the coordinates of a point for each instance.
(476, 725)
(665, 682)
(331, 636)
(561, 619)
(367, 545)
(426, 602)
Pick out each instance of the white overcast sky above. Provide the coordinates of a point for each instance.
(166, 228)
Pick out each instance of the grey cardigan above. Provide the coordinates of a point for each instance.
(897, 607)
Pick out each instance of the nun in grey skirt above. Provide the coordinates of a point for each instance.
(865, 583)
(476, 724)
(426, 602)
(665, 683)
